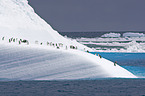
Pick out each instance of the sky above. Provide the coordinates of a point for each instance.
(92, 15)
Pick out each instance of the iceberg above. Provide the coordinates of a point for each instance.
(111, 35)
(41, 58)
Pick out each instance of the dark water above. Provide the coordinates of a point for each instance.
(108, 87)
(98, 87)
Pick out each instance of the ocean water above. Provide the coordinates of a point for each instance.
(108, 87)
(132, 61)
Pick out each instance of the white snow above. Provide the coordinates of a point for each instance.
(44, 62)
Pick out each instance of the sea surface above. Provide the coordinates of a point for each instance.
(106, 87)
(129, 59)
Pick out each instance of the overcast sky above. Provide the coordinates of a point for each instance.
(92, 15)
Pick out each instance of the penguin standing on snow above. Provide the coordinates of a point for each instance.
(115, 63)
(100, 56)
(3, 38)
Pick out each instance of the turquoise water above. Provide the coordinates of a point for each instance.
(138, 71)
(133, 62)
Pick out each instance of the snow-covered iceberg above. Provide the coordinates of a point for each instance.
(41, 60)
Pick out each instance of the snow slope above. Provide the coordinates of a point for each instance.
(42, 62)
(18, 20)
(35, 62)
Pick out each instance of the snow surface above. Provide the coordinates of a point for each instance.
(44, 62)
(34, 62)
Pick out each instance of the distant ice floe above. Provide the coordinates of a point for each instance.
(127, 34)
(128, 42)
(131, 34)
(111, 35)
(135, 47)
